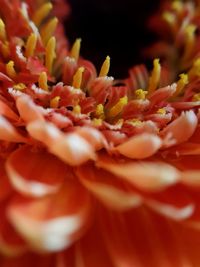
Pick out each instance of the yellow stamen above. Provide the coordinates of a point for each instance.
(189, 41)
(105, 67)
(48, 30)
(182, 82)
(10, 69)
(155, 76)
(31, 45)
(97, 122)
(77, 79)
(196, 97)
(161, 111)
(54, 103)
(75, 51)
(5, 49)
(41, 13)
(100, 111)
(77, 109)
(19, 86)
(177, 5)
(50, 53)
(140, 94)
(3, 36)
(43, 81)
(170, 18)
(135, 122)
(117, 109)
(195, 70)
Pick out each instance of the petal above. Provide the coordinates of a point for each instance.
(6, 111)
(140, 146)
(5, 186)
(34, 172)
(107, 189)
(148, 176)
(71, 148)
(52, 223)
(182, 128)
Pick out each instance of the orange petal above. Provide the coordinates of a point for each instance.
(182, 128)
(148, 176)
(6, 111)
(36, 173)
(71, 148)
(54, 222)
(107, 189)
(140, 146)
(5, 186)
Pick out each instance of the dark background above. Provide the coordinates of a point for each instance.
(112, 27)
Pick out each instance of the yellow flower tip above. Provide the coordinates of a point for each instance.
(117, 109)
(54, 103)
(5, 49)
(161, 111)
(169, 18)
(19, 86)
(3, 36)
(41, 13)
(50, 53)
(77, 79)
(135, 122)
(195, 70)
(75, 50)
(97, 122)
(189, 41)
(190, 30)
(196, 97)
(105, 67)
(182, 82)
(43, 81)
(10, 69)
(140, 94)
(31, 45)
(48, 30)
(177, 5)
(99, 112)
(77, 109)
(155, 76)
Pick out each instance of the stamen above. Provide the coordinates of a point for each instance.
(50, 53)
(48, 30)
(77, 109)
(75, 51)
(105, 67)
(31, 45)
(41, 13)
(19, 86)
(140, 94)
(3, 36)
(177, 5)
(10, 69)
(169, 17)
(43, 81)
(196, 97)
(77, 79)
(135, 122)
(161, 111)
(54, 103)
(99, 112)
(155, 76)
(117, 109)
(195, 70)
(183, 81)
(189, 41)
(5, 49)
(97, 122)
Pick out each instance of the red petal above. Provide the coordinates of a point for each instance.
(6, 111)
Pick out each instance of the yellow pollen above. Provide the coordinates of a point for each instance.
(43, 81)
(135, 122)
(77, 79)
(140, 94)
(50, 54)
(161, 111)
(48, 30)
(100, 111)
(54, 103)
(77, 109)
(2, 31)
(5, 49)
(105, 67)
(75, 51)
(97, 122)
(195, 70)
(10, 69)
(117, 109)
(155, 76)
(41, 13)
(189, 41)
(19, 86)
(182, 82)
(196, 97)
(31, 45)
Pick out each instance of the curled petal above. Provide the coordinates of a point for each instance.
(148, 176)
(182, 128)
(35, 173)
(53, 222)
(71, 148)
(162, 94)
(140, 146)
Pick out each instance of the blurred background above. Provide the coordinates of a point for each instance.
(112, 27)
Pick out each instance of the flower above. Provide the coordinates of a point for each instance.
(94, 173)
